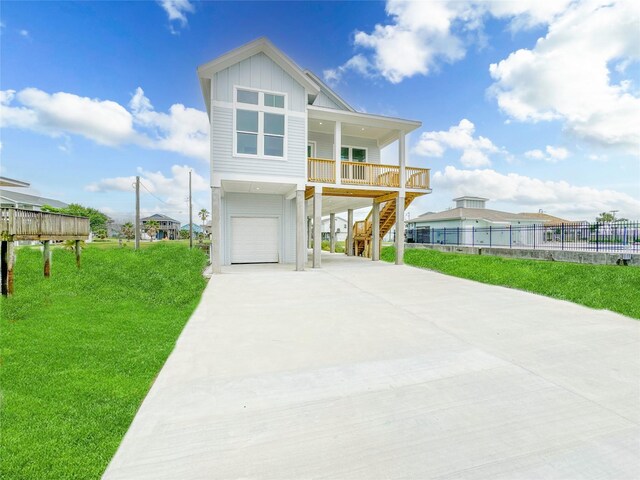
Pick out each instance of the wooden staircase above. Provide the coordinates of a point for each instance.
(363, 230)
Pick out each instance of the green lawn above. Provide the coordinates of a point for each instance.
(597, 286)
(79, 351)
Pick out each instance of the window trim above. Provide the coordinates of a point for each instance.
(314, 148)
(261, 109)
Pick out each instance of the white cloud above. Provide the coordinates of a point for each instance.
(555, 197)
(475, 150)
(103, 121)
(566, 75)
(177, 12)
(421, 34)
(24, 33)
(552, 155)
(182, 130)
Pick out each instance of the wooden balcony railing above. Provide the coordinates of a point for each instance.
(321, 170)
(368, 174)
(18, 224)
(417, 177)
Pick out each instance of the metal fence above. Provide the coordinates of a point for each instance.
(591, 237)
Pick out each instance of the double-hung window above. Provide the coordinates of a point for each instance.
(260, 123)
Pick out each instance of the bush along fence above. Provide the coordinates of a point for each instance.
(585, 237)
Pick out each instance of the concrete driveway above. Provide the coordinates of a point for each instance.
(368, 371)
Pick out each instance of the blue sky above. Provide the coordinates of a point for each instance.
(97, 92)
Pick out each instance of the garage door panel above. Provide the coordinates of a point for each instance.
(254, 240)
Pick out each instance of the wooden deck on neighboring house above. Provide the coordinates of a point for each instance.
(20, 225)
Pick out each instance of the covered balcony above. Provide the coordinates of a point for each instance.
(357, 140)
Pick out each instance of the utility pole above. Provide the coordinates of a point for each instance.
(190, 215)
(137, 213)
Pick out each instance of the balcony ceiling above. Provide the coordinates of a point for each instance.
(349, 129)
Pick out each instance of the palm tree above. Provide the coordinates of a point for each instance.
(152, 227)
(203, 214)
(127, 230)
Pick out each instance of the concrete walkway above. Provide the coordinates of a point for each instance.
(367, 370)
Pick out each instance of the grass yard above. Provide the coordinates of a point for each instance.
(597, 286)
(79, 351)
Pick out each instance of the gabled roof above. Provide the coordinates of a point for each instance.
(9, 196)
(260, 45)
(484, 214)
(159, 217)
(328, 92)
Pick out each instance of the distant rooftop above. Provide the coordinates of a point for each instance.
(10, 182)
(160, 218)
(18, 199)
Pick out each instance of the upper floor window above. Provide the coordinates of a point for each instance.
(353, 154)
(260, 123)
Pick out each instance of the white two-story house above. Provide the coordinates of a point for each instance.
(285, 151)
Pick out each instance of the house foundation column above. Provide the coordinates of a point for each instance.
(349, 245)
(317, 227)
(7, 259)
(375, 232)
(399, 230)
(301, 247)
(216, 230)
(309, 232)
(332, 232)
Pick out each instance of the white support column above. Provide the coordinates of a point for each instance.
(337, 141)
(332, 232)
(375, 232)
(216, 230)
(309, 230)
(349, 246)
(402, 159)
(301, 247)
(400, 230)
(317, 227)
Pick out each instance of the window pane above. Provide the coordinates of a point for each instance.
(248, 143)
(274, 123)
(344, 153)
(274, 146)
(359, 154)
(273, 100)
(247, 121)
(245, 96)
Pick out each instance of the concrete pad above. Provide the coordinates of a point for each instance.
(369, 370)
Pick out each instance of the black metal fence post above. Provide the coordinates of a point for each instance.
(510, 237)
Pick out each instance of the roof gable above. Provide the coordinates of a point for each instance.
(332, 96)
(260, 45)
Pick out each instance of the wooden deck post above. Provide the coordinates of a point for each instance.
(7, 260)
(349, 249)
(78, 251)
(46, 254)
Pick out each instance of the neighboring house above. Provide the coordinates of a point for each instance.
(285, 147)
(169, 228)
(341, 227)
(470, 218)
(10, 198)
(195, 228)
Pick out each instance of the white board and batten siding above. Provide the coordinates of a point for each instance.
(261, 73)
(323, 100)
(248, 216)
(324, 145)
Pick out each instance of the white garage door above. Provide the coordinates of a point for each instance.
(254, 240)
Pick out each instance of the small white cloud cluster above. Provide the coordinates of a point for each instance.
(177, 12)
(557, 197)
(551, 154)
(475, 150)
(182, 130)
